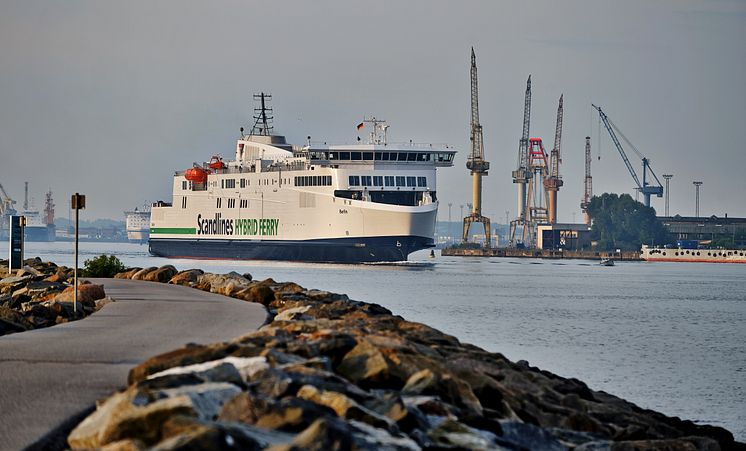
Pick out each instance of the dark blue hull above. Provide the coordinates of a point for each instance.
(339, 250)
(43, 234)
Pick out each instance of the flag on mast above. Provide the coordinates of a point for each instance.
(360, 125)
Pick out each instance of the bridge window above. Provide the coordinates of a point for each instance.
(411, 181)
(356, 156)
(344, 155)
(354, 180)
(422, 181)
(389, 179)
(367, 156)
(400, 180)
(377, 180)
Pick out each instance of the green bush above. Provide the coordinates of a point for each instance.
(103, 266)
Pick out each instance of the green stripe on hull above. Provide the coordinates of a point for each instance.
(174, 230)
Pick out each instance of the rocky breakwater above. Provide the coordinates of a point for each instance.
(327, 372)
(40, 294)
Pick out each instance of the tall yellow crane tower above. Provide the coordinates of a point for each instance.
(554, 182)
(476, 162)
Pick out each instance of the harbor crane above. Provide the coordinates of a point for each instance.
(476, 162)
(588, 185)
(554, 182)
(6, 204)
(522, 175)
(645, 187)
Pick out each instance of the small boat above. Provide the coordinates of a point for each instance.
(607, 262)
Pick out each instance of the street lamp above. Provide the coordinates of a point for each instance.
(667, 177)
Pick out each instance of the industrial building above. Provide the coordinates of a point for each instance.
(572, 237)
(704, 229)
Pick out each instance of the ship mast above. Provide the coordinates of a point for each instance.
(262, 116)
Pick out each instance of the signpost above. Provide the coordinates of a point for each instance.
(17, 225)
(77, 203)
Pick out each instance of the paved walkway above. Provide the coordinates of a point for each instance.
(48, 375)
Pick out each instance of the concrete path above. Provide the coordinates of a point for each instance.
(48, 375)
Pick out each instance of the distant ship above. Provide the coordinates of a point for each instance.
(354, 203)
(138, 225)
(39, 228)
(660, 254)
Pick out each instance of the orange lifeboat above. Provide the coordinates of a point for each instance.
(216, 162)
(196, 175)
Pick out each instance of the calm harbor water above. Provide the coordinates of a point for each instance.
(666, 336)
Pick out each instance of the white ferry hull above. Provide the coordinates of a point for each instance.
(694, 255)
(339, 236)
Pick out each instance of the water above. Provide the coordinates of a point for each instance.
(667, 336)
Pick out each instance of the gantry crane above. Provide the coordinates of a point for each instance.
(476, 162)
(553, 182)
(522, 175)
(588, 182)
(645, 187)
(6, 206)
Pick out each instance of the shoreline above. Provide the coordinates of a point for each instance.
(334, 350)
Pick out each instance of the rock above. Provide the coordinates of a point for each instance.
(226, 284)
(12, 321)
(86, 293)
(162, 274)
(451, 433)
(258, 292)
(28, 270)
(207, 398)
(187, 355)
(292, 415)
(127, 274)
(294, 314)
(15, 280)
(345, 407)
(188, 434)
(366, 366)
(188, 277)
(124, 445)
(528, 436)
(322, 435)
(141, 274)
(124, 416)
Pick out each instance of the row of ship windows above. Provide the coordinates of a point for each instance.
(384, 156)
(387, 180)
(313, 180)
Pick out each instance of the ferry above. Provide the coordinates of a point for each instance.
(660, 254)
(138, 224)
(371, 201)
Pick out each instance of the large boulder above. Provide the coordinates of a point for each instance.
(127, 274)
(86, 293)
(141, 274)
(188, 277)
(162, 274)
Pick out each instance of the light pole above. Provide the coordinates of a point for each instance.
(667, 177)
(450, 225)
(696, 204)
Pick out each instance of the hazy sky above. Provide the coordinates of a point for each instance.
(109, 98)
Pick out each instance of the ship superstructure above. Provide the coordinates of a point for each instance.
(364, 202)
(138, 224)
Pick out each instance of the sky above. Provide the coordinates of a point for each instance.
(110, 98)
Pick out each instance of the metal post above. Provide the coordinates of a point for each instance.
(76, 203)
(75, 284)
(696, 204)
(667, 177)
